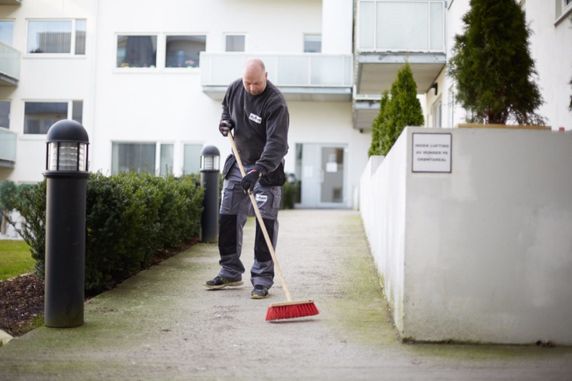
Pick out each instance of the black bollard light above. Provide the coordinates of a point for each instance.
(66, 183)
(210, 165)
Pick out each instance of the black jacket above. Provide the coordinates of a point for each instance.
(260, 126)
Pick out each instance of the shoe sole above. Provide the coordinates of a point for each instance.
(221, 286)
(254, 296)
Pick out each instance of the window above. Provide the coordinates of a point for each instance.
(563, 9)
(312, 43)
(5, 114)
(235, 43)
(184, 51)
(451, 107)
(39, 116)
(80, 37)
(77, 111)
(6, 32)
(56, 36)
(166, 161)
(133, 157)
(437, 110)
(192, 158)
(136, 51)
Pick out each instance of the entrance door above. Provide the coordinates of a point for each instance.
(322, 175)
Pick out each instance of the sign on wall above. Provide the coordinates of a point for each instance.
(432, 152)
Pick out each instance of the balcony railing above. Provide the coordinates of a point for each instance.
(9, 65)
(304, 70)
(7, 147)
(406, 25)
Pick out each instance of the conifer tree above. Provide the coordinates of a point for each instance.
(397, 111)
(375, 147)
(492, 64)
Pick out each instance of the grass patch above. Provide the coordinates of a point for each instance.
(15, 259)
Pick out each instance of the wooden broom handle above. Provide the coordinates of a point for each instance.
(261, 221)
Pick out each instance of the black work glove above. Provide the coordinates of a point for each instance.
(250, 180)
(225, 126)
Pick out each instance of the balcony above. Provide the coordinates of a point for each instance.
(390, 33)
(7, 148)
(300, 77)
(9, 65)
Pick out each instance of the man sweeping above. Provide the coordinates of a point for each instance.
(258, 115)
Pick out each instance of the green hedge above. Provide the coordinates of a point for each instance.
(290, 195)
(129, 218)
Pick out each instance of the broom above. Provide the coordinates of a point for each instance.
(290, 308)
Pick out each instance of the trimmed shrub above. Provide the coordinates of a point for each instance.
(397, 111)
(492, 64)
(129, 219)
(290, 194)
(377, 128)
(30, 201)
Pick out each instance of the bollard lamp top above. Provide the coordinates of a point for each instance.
(210, 151)
(67, 130)
(210, 159)
(67, 148)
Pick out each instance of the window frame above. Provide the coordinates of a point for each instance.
(159, 60)
(9, 101)
(225, 35)
(149, 142)
(190, 143)
(71, 53)
(28, 136)
(437, 112)
(562, 11)
(157, 158)
(304, 42)
(163, 51)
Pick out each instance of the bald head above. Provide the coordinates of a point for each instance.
(254, 76)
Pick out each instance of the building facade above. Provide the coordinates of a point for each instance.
(146, 79)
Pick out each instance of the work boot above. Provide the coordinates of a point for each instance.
(219, 282)
(259, 292)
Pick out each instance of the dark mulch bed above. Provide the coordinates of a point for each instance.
(21, 303)
(22, 298)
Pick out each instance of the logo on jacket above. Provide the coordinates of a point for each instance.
(261, 198)
(255, 118)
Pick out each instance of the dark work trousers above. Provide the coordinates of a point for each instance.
(234, 210)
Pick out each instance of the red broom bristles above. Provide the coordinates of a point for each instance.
(291, 310)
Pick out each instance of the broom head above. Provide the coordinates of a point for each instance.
(291, 310)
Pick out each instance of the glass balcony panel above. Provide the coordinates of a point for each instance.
(367, 25)
(292, 71)
(326, 72)
(402, 26)
(405, 25)
(221, 70)
(9, 61)
(300, 70)
(7, 145)
(437, 27)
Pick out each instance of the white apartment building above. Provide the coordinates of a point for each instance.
(146, 78)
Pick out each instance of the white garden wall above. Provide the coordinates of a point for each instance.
(483, 253)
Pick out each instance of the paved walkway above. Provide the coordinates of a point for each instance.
(163, 325)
